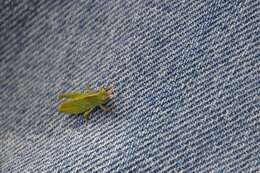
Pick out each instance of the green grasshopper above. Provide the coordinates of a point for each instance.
(85, 102)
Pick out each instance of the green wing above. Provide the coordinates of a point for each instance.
(77, 102)
(72, 95)
(75, 106)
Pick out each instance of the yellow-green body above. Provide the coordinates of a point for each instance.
(84, 102)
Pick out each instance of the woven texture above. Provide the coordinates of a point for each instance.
(186, 75)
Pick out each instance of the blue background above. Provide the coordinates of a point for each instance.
(186, 76)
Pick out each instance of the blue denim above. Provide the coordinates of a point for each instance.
(186, 76)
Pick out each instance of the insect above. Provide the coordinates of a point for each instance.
(85, 102)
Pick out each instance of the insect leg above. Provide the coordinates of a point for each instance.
(105, 109)
(86, 114)
(88, 89)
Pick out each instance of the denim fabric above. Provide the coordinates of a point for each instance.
(186, 76)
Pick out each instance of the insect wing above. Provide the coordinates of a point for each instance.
(71, 95)
(75, 106)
